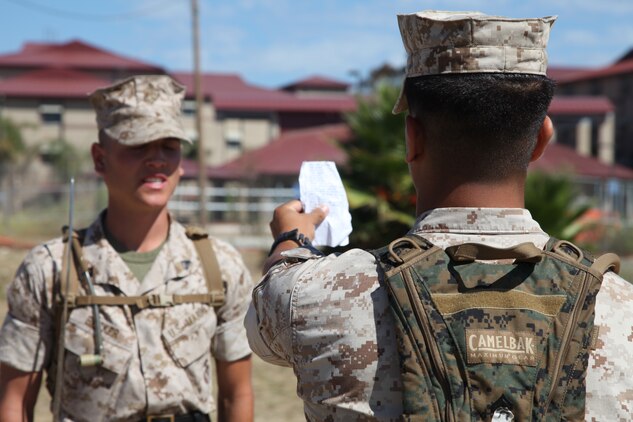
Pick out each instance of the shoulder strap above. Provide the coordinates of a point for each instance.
(601, 264)
(607, 262)
(215, 295)
(209, 260)
(77, 241)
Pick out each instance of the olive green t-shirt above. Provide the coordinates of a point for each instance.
(138, 262)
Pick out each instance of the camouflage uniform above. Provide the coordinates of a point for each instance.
(156, 360)
(329, 318)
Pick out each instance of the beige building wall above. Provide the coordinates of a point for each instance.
(224, 139)
(77, 125)
(229, 135)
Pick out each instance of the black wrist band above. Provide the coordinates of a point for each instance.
(294, 235)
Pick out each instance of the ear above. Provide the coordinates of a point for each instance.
(545, 134)
(414, 135)
(98, 157)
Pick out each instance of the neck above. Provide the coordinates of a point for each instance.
(138, 231)
(504, 194)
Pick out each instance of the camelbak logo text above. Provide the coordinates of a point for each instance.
(493, 346)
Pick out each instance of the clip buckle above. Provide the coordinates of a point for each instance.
(160, 300)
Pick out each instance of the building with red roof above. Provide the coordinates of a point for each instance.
(74, 54)
(280, 160)
(614, 82)
(44, 87)
(278, 164)
(316, 84)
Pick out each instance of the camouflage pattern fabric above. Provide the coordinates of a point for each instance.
(140, 109)
(471, 42)
(475, 338)
(329, 319)
(156, 360)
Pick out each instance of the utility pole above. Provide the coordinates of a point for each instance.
(197, 86)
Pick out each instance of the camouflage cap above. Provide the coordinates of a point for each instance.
(439, 42)
(140, 109)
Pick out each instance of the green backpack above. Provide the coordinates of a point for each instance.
(502, 340)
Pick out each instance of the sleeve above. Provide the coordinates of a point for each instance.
(609, 383)
(229, 342)
(26, 336)
(268, 322)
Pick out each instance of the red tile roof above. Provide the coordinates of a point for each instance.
(283, 156)
(229, 92)
(316, 82)
(583, 105)
(561, 73)
(615, 69)
(51, 83)
(559, 158)
(73, 54)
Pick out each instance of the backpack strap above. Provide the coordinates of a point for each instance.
(76, 259)
(607, 262)
(215, 295)
(210, 265)
(601, 264)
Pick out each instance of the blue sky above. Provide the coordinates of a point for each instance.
(274, 42)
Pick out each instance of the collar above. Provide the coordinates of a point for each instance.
(173, 261)
(480, 221)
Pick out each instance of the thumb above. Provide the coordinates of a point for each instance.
(318, 214)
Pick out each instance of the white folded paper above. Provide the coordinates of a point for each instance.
(320, 184)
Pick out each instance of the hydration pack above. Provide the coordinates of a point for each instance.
(493, 334)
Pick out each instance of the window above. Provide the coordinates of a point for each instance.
(51, 113)
(233, 139)
(189, 108)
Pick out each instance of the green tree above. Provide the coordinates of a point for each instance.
(380, 190)
(12, 150)
(63, 157)
(11, 144)
(552, 201)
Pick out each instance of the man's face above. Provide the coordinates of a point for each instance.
(141, 177)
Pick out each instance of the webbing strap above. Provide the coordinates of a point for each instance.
(606, 262)
(77, 259)
(211, 268)
(146, 301)
(209, 261)
(601, 264)
(469, 252)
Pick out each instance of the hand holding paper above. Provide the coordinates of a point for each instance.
(320, 183)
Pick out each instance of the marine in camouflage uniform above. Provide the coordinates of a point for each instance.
(156, 360)
(329, 317)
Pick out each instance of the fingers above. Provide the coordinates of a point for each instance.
(318, 214)
(290, 215)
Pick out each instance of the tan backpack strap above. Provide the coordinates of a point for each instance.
(606, 262)
(469, 252)
(147, 301)
(76, 259)
(210, 264)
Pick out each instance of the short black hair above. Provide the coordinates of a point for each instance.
(485, 124)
